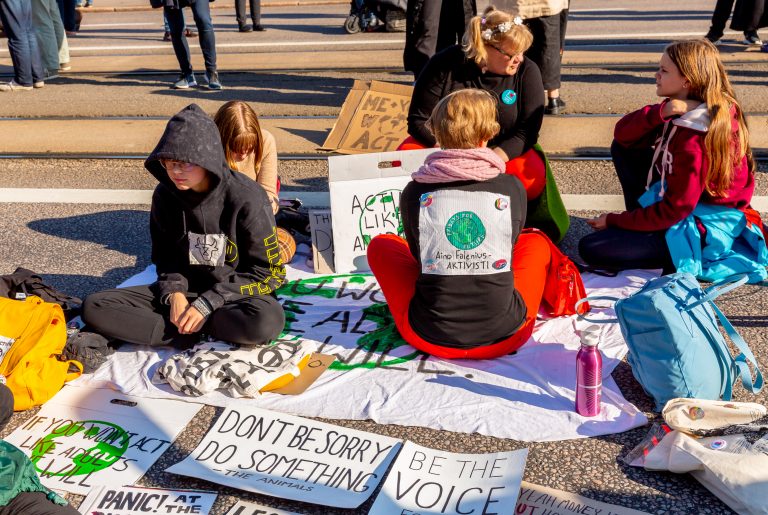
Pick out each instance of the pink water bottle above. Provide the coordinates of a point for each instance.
(589, 373)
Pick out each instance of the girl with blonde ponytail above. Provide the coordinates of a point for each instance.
(687, 174)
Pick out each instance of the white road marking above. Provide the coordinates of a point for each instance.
(126, 24)
(308, 198)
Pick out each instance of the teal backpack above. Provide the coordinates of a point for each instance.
(675, 345)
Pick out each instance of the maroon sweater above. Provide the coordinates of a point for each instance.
(686, 178)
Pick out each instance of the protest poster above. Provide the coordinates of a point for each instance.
(251, 508)
(374, 118)
(84, 438)
(322, 240)
(425, 481)
(129, 500)
(365, 201)
(540, 500)
(290, 457)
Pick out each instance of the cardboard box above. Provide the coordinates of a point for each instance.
(374, 118)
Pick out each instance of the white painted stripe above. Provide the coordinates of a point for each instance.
(597, 10)
(309, 198)
(126, 24)
(315, 44)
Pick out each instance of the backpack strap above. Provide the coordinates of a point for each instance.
(75, 374)
(743, 358)
(719, 288)
(595, 320)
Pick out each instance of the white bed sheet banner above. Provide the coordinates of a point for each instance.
(528, 396)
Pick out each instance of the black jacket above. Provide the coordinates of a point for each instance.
(520, 116)
(431, 26)
(465, 295)
(222, 244)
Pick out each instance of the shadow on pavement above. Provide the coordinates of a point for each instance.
(124, 231)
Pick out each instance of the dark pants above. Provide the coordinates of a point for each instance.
(68, 16)
(255, 11)
(35, 503)
(201, 12)
(6, 405)
(548, 42)
(621, 249)
(135, 315)
(16, 16)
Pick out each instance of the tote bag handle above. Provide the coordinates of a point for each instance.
(595, 320)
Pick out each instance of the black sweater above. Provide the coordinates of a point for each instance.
(450, 71)
(462, 234)
(222, 244)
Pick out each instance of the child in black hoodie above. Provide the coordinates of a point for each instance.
(214, 245)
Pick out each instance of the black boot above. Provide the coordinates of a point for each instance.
(554, 106)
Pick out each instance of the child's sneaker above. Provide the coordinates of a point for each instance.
(185, 82)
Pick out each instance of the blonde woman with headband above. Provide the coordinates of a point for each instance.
(687, 174)
(490, 58)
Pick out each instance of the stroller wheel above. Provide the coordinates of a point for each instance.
(352, 24)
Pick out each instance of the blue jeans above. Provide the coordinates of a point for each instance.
(16, 16)
(165, 23)
(201, 11)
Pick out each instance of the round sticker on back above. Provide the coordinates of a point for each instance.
(509, 97)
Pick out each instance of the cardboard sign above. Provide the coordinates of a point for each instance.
(425, 481)
(84, 438)
(132, 500)
(539, 500)
(290, 457)
(374, 118)
(365, 201)
(318, 363)
(250, 508)
(322, 240)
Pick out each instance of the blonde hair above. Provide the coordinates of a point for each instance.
(474, 45)
(240, 132)
(464, 119)
(699, 62)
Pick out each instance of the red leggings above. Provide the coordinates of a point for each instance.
(396, 270)
(528, 167)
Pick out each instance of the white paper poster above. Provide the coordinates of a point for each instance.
(540, 500)
(425, 481)
(250, 508)
(84, 438)
(290, 457)
(132, 500)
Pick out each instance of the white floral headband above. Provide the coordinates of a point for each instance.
(501, 28)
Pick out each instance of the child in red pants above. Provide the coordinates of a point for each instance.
(466, 284)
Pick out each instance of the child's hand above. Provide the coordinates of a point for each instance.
(675, 107)
(179, 304)
(599, 223)
(191, 320)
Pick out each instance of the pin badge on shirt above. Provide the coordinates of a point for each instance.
(509, 97)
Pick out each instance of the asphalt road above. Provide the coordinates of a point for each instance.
(296, 68)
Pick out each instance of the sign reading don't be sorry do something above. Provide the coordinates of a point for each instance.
(290, 457)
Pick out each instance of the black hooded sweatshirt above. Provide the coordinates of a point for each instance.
(220, 245)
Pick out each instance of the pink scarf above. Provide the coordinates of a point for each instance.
(474, 164)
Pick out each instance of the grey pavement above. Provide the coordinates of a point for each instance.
(303, 66)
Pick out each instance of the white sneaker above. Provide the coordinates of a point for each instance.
(38, 84)
(14, 86)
